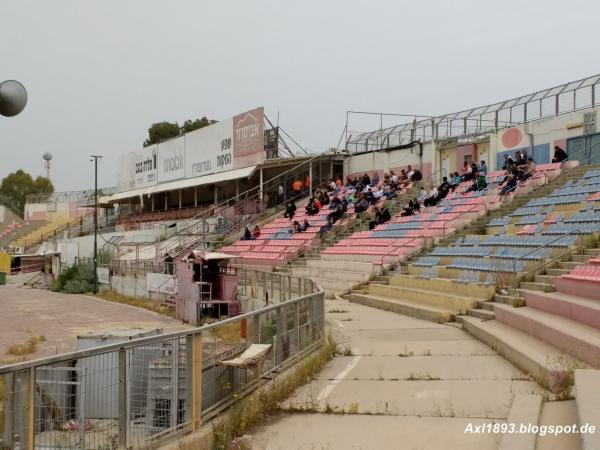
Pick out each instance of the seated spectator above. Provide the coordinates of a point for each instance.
(466, 171)
(403, 178)
(474, 170)
(375, 179)
(483, 169)
(386, 178)
(247, 235)
(416, 206)
(325, 228)
(416, 176)
(377, 193)
(336, 215)
(478, 185)
(295, 227)
(331, 186)
(455, 180)
(344, 204)
(335, 201)
(422, 195)
(431, 197)
(527, 170)
(324, 199)
(408, 210)
(508, 162)
(389, 192)
(559, 155)
(338, 182)
(366, 180)
(393, 177)
(519, 160)
(290, 210)
(255, 232)
(311, 208)
(305, 225)
(373, 223)
(443, 190)
(361, 205)
(511, 185)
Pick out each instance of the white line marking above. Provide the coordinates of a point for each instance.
(327, 389)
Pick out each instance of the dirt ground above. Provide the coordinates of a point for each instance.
(60, 318)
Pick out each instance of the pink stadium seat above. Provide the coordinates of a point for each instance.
(528, 229)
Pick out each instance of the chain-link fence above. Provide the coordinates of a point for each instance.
(139, 392)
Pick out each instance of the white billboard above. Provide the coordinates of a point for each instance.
(209, 149)
(171, 159)
(137, 169)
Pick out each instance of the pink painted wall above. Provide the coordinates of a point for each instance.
(465, 150)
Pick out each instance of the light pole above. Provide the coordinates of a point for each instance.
(95, 158)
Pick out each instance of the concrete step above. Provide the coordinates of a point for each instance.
(505, 299)
(444, 285)
(535, 286)
(406, 307)
(488, 306)
(588, 405)
(546, 279)
(456, 303)
(525, 408)
(592, 251)
(578, 340)
(570, 265)
(482, 314)
(580, 258)
(533, 356)
(557, 272)
(579, 309)
(331, 274)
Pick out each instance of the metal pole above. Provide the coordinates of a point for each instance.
(95, 285)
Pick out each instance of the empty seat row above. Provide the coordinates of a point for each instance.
(427, 261)
(461, 251)
(487, 265)
(529, 241)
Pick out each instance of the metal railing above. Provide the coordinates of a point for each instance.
(572, 96)
(143, 392)
(517, 279)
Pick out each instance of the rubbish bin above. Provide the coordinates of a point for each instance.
(2, 278)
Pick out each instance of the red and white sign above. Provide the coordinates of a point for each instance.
(248, 138)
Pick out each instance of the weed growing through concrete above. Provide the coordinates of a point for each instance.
(406, 353)
(337, 311)
(252, 409)
(518, 302)
(564, 376)
(346, 351)
(138, 302)
(28, 347)
(421, 377)
(353, 408)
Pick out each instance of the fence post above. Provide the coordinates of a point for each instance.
(122, 397)
(30, 410)
(174, 382)
(196, 382)
(297, 325)
(255, 329)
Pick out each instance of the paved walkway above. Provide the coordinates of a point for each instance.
(60, 318)
(408, 384)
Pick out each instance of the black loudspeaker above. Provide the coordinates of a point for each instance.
(13, 98)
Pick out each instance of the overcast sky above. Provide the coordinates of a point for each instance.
(98, 73)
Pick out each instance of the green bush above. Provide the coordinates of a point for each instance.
(77, 279)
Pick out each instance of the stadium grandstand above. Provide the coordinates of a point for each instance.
(488, 219)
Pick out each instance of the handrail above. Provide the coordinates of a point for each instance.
(547, 244)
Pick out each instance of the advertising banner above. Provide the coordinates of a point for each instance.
(138, 169)
(171, 159)
(248, 138)
(209, 149)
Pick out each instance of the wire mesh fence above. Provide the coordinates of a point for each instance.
(139, 392)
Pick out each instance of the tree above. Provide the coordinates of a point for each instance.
(189, 125)
(162, 131)
(18, 185)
